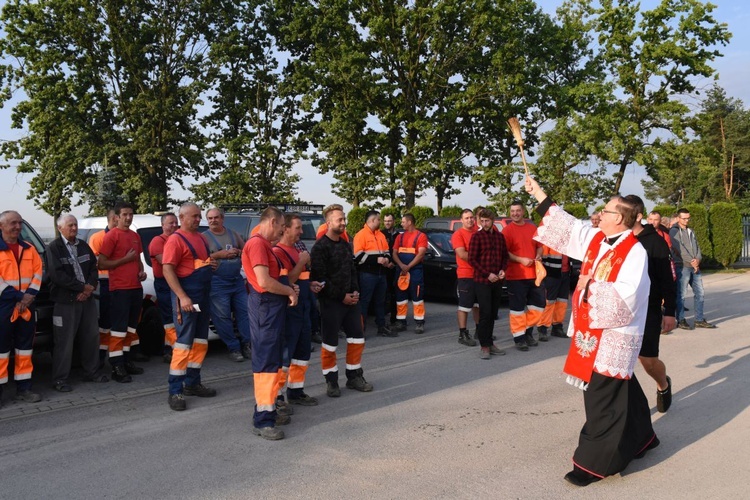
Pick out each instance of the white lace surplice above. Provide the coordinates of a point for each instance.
(619, 307)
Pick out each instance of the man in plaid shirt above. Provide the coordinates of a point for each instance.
(488, 256)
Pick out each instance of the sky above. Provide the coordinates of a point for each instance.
(734, 76)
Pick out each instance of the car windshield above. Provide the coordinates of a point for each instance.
(442, 241)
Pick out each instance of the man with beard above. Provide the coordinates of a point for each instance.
(333, 267)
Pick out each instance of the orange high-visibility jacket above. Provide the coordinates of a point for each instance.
(18, 276)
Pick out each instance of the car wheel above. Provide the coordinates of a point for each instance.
(151, 331)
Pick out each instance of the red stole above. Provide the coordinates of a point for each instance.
(583, 349)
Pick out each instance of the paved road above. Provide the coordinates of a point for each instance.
(440, 424)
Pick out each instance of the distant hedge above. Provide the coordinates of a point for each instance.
(451, 211)
(726, 232)
(666, 211)
(700, 226)
(420, 213)
(355, 220)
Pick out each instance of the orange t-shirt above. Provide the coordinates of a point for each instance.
(177, 253)
(406, 240)
(460, 239)
(95, 242)
(117, 242)
(520, 242)
(323, 229)
(156, 247)
(259, 252)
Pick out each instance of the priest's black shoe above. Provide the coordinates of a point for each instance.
(580, 477)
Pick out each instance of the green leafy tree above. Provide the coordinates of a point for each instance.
(254, 137)
(650, 60)
(106, 85)
(410, 96)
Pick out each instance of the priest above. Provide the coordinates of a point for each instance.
(609, 314)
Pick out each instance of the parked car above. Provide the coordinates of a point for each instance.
(243, 218)
(148, 226)
(440, 266)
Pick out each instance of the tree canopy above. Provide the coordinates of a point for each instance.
(393, 97)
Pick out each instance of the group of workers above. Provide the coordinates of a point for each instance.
(625, 297)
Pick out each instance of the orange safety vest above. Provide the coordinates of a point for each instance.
(24, 274)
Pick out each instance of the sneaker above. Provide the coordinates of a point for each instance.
(132, 369)
(419, 329)
(270, 433)
(399, 327)
(543, 335)
(247, 353)
(496, 350)
(664, 398)
(119, 374)
(28, 397)
(177, 402)
(199, 390)
(303, 400)
(684, 325)
(332, 389)
(283, 419)
(359, 383)
(704, 324)
(384, 331)
(236, 356)
(484, 353)
(465, 339)
(315, 337)
(521, 345)
(557, 331)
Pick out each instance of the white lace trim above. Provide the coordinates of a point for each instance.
(618, 353)
(577, 382)
(556, 229)
(608, 309)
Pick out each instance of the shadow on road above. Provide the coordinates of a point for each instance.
(702, 408)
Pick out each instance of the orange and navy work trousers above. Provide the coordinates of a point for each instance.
(164, 303)
(337, 316)
(525, 303)
(557, 291)
(191, 345)
(415, 293)
(267, 315)
(18, 335)
(105, 322)
(297, 341)
(125, 310)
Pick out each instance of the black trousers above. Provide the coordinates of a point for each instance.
(618, 425)
(488, 298)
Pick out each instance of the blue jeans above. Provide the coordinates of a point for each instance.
(686, 276)
(372, 288)
(228, 295)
